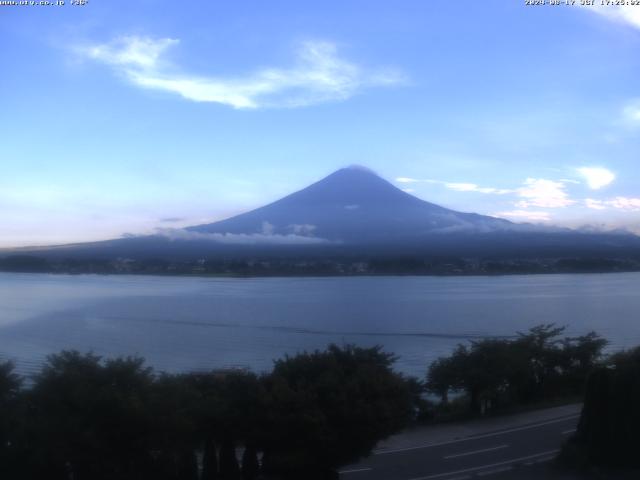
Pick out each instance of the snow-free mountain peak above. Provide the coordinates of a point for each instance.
(353, 205)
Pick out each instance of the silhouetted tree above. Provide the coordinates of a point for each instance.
(230, 413)
(607, 433)
(329, 408)
(9, 423)
(543, 357)
(442, 379)
(90, 420)
(533, 366)
(580, 355)
(172, 404)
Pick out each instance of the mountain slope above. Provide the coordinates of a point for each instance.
(354, 205)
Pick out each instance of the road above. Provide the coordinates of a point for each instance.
(505, 448)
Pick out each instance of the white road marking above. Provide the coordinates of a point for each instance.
(355, 470)
(567, 432)
(476, 437)
(495, 470)
(490, 449)
(483, 467)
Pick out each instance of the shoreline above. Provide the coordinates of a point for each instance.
(321, 275)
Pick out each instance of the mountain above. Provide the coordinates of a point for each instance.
(354, 213)
(354, 206)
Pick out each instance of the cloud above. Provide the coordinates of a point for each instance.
(627, 14)
(620, 203)
(301, 234)
(631, 113)
(625, 203)
(543, 193)
(240, 238)
(597, 177)
(594, 204)
(539, 192)
(305, 229)
(472, 187)
(318, 75)
(131, 51)
(457, 186)
(268, 228)
(529, 215)
(408, 180)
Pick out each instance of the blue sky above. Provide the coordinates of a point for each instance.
(124, 117)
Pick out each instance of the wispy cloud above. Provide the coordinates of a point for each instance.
(535, 192)
(408, 180)
(240, 238)
(457, 186)
(597, 177)
(540, 192)
(629, 204)
(594, 204)
(472, 187)
(529, 215)
(318, 75)
(304, 229)
(131, 52)
(625, 203)
(534, 200)
(626, 14)
(631, 112)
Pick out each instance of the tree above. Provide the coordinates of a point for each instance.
(10, 384)
(533, 366)
(580, 355)
(541, 346)
(486, 373)
(330, 408)
(89, 419)
(482, 370)
(172, 404)
(607, 433)
(442, 378)
(230, 412)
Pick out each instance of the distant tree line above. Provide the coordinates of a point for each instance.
(320, 266)
(88, 418)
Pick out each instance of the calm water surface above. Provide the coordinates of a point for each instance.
(180, 323)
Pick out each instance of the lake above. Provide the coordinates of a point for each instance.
(188, 323)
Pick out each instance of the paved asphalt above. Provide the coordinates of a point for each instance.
(509, 453)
